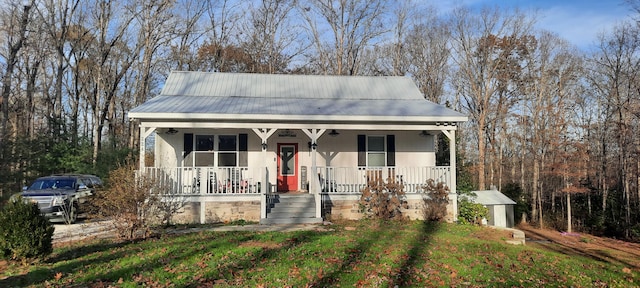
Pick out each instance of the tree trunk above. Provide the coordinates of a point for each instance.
(12, 58)
(568, 212)
(481, 153)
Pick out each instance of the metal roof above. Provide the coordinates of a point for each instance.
(200, 95)
(492, 197)
(181, 83)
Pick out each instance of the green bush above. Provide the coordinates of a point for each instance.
(24, 232)
(471, 213)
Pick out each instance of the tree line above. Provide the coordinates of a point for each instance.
(553, 126)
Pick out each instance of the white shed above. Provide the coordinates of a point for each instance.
(500, 207)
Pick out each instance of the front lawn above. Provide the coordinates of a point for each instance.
(361, 254)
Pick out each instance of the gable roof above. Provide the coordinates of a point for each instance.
(207, 95)
(492, 197)
(272, 86)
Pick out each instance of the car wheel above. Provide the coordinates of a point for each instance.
(72, 215)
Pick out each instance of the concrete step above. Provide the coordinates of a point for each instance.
(292, 209)
(294, 204)
(267, 221)
(289, 214)
(297, 198)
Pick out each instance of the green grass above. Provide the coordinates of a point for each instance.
(375, 254)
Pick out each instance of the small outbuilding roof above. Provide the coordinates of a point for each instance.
(212, 95)
(492, 197)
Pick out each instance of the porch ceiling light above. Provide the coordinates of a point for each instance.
(171, 131)
(334, 133)
(424, 133)
(314, 146)
(264, 145)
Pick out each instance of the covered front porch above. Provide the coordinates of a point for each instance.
(268, 162)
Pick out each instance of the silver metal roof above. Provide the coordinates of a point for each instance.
(492, 197)
(182, 83)
(201, 95)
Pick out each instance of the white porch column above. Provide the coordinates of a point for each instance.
(451, 134)
(314, 134)
(264, 135)
(144, 133)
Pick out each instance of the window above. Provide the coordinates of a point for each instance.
(204, 150)
(204, 142)
(376, 151)
(200, 150)
(228, 147)
(376, 155)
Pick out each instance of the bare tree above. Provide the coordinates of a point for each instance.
(187, 36)
(482, 45)
(219, 47)
(155, 22)
(353, 26)
(56, 16)
(113, 58)
(15, 33)
(271, 39)
(427, 45)
(615, 77)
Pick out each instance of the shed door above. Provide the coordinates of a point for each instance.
(288, 167)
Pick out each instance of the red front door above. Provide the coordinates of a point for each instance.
(287, 167)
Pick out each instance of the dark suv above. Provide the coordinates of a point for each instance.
(61, 197)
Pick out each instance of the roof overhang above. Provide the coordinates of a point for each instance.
(144, 116)
(437, 126)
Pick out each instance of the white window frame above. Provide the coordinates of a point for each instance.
(236, 150)
(215, 153)
(383, 152)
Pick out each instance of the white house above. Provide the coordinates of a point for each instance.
(235, 144)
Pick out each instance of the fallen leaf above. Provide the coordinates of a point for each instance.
(58, 276)
(626, 270)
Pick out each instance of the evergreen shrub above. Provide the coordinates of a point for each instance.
(24, 232)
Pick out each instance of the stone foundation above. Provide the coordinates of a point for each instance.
(335, 206)
(347, 207)
(219, 210)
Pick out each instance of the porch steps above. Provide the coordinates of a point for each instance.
(291, 209)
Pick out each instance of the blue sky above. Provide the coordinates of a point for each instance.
(578, 21)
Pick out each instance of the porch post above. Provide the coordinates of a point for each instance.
(144, 133)
(264, 135)
(451, 134)
(314, 134)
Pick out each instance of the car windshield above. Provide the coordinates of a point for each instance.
(52, 184)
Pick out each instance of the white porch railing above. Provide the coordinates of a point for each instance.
(248, 180)
(209, 180)
(354, 179)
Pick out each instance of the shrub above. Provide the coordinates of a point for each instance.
(435, 200)
(382, 200)
(134, 202)
(24, 232)
(470, 212)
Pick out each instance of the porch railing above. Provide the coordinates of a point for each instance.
(354, 179)
(209, 180)
(248, 180)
